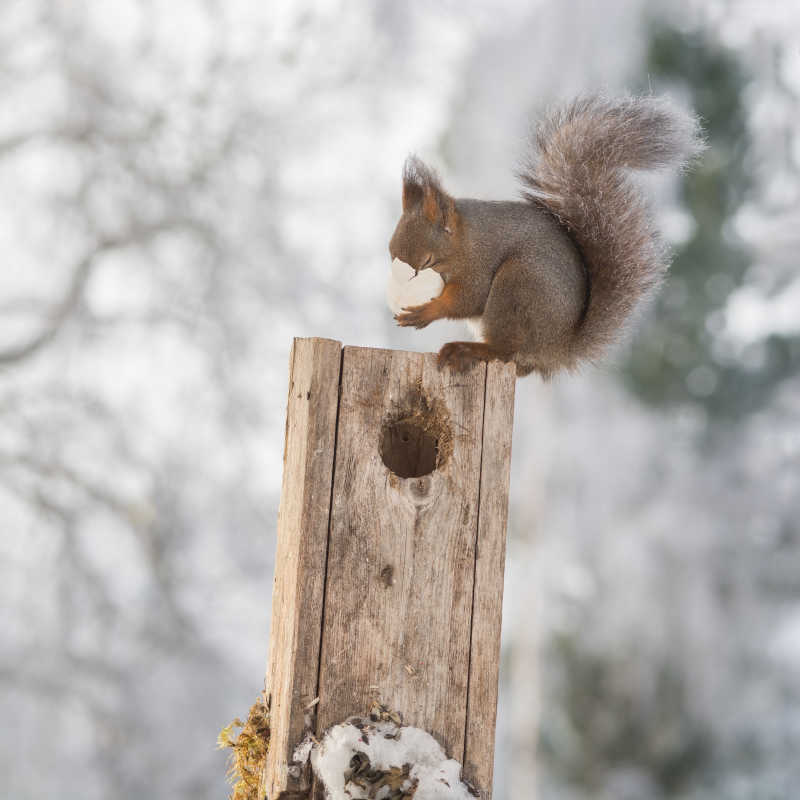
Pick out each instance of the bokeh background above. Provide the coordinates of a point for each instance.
(187, 184)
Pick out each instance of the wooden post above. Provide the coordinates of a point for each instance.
(390, 554)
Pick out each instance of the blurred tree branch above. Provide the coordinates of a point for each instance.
(58, 315)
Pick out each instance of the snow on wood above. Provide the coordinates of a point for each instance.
(374, 758)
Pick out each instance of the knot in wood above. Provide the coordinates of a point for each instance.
(420, 488)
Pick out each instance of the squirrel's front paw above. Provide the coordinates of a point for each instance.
(415, 316)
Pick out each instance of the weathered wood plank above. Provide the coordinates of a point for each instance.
(391, 546)
(487, 607)
(401, 556)
(303, 518)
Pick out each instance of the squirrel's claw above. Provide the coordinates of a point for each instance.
(414, 316)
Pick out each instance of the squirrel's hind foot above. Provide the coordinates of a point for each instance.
(460, 356)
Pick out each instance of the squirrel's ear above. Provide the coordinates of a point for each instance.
(430, 204)
(421, 187)
(412, 193)
(438, 207)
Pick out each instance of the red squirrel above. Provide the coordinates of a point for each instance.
(552, 279)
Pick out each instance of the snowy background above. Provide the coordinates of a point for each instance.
(187, 184)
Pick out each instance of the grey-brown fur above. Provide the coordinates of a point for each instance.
(553, 278)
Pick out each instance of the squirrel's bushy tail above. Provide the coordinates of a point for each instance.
(578, 170)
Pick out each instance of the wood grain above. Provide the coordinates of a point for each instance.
(404, 641)
(303, 517)
(390, 588)
(487, 606)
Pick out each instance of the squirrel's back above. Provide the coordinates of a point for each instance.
(578, 171)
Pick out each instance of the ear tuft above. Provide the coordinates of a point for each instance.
(417, 172)
(421, 186)
(412, 184)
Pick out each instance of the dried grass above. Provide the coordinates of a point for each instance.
(246, 762)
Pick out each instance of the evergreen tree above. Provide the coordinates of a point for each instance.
(679, 356)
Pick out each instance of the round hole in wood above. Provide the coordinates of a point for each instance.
(409, 448)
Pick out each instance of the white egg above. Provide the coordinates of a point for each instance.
(408, 288)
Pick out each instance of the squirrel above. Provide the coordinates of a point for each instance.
(553, 278)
